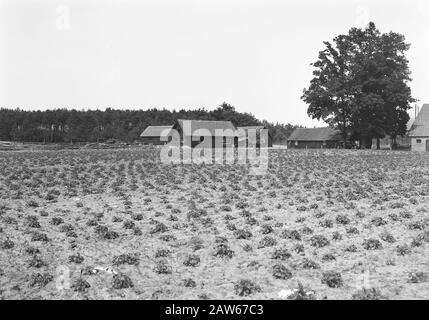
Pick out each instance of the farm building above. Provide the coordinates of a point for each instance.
(419, 132)
(257, 128)
(316, 138)
(216, 128)
(153, 134)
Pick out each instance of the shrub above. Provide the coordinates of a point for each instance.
(267, 241)
(222, 250)
(92, 223)
(189, 283)
(387, 237)
(126, 258)
(77, 258)
(378, 221)
(71, 234)
(137, 217)
(32, 250)
(230, 226)
(226, 208)
(110, 235)
(266, 229)
(40, 280)
(307, 230)
(417, 225)
(162, 267)
(351, 248)
(159, 228)
(7, 244)
(122, 281)
(66, 228)
(319, 241)
(116, 219)
(246, 287)
(192, 260)
(247, 247)
(36, 262)
(291, 234)
(88, 271)
(56, 221)
(309, 264)
(342, 219)
(137, 231)
(32, 204)
(162, 253)
(298, 248)
(80, 285)
(281, 272)
(32, 222)
(406, 215)
(372, 244)
(328, 257)
(337, 236)
(332, 279)
(37, 236)
(352, 230)
(402, 250)
(327, 223)
(417, 277)
(242, 234)
(281, 254)
(129, 224)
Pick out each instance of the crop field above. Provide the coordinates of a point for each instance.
(119, 224)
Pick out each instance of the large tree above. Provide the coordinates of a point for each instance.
(360, 85)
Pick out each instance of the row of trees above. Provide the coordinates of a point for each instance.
(360, 85)
(62, 125)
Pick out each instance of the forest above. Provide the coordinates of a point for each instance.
(70, 125)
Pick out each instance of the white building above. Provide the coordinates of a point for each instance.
(419, 132)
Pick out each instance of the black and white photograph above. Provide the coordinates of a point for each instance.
(242, 151)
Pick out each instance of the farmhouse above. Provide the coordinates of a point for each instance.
(258, 130)
(303, 138)
(419, 132)
(153, 134)
(204, 129)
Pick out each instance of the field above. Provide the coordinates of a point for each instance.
(118, 224)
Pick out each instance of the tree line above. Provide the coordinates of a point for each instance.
(360, 85)
(63, 125)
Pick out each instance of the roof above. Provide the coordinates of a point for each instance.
(156, 131)
(420, 127)
(251, 127)
(314, 134)
(209, 125)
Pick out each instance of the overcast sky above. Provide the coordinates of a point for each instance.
(129, 54)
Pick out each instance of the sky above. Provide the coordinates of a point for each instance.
(139, 54)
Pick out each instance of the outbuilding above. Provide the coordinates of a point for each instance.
(314, 138)
(152, 134)
(419, 132)
(195, 131)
